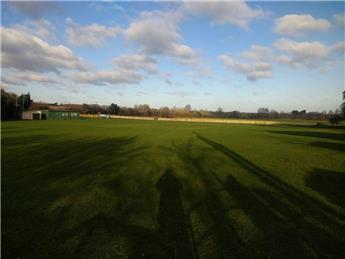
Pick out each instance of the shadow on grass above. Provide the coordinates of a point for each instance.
(330, 184)
(313, 134)
(86, 197)
(13, 142)
(340, 147)
(173, 224)
(293, 223)
(312, 126)
(228, 243)
(271, 180)
(45, 189)
(171, 239)
(277, 237)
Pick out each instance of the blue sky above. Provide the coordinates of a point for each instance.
(237, 55)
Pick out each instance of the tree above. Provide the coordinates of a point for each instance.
(263, 110)
(220, 110)
(188, 107)
(9, 108)
(143, 110)
(342, 106)
(302, 112)
(335, 119)
(164, 111)
(234, 114)
(113, 109)
(24, 101)
(12, 105)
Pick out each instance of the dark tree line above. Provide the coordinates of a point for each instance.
(188, 112)
(13, 105)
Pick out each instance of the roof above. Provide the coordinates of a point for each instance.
(45, 106)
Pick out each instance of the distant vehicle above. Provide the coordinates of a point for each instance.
(104, 116)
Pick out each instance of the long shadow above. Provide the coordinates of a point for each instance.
(328, 237)
(330, 184)
(286, 231)
(48, 185)
(312, 126)
(300, 198)
(279, 239)
(340, 147)
(229, 243)
(173, 223)
(313, 134)
(172, 239)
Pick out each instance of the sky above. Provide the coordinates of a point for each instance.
(236, 55)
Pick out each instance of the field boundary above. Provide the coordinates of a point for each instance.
(206, 120)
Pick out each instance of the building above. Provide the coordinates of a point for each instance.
(51, 115)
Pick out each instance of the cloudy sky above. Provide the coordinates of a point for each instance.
(237, 55)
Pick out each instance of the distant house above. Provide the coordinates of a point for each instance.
(51, 115)
(46, 111)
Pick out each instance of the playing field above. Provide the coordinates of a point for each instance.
(150, 189)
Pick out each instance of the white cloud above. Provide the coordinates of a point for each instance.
(295, 25)
(184, 54)
(258, 53)
(15, 77)
(137, 62)
(41, 28)
(106, 77)
(337, 48)
(106, 6)
(339, 19)
(256, 63)
(252, 70)
(236, 13)
(93, 35)
(157, 34)
(154, 32)
(302, 54)
(25, 52)
(179, 93)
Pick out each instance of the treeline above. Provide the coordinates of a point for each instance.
(13, 105)
(188, 112)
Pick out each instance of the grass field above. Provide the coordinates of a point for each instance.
(151, 189)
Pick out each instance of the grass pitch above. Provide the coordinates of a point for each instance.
(151, 189)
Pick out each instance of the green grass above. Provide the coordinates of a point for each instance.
(150, 189)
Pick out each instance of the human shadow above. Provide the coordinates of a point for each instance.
(313, 134)
(292, 208)
(330, 184)
(172, 239)
(173, 224)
